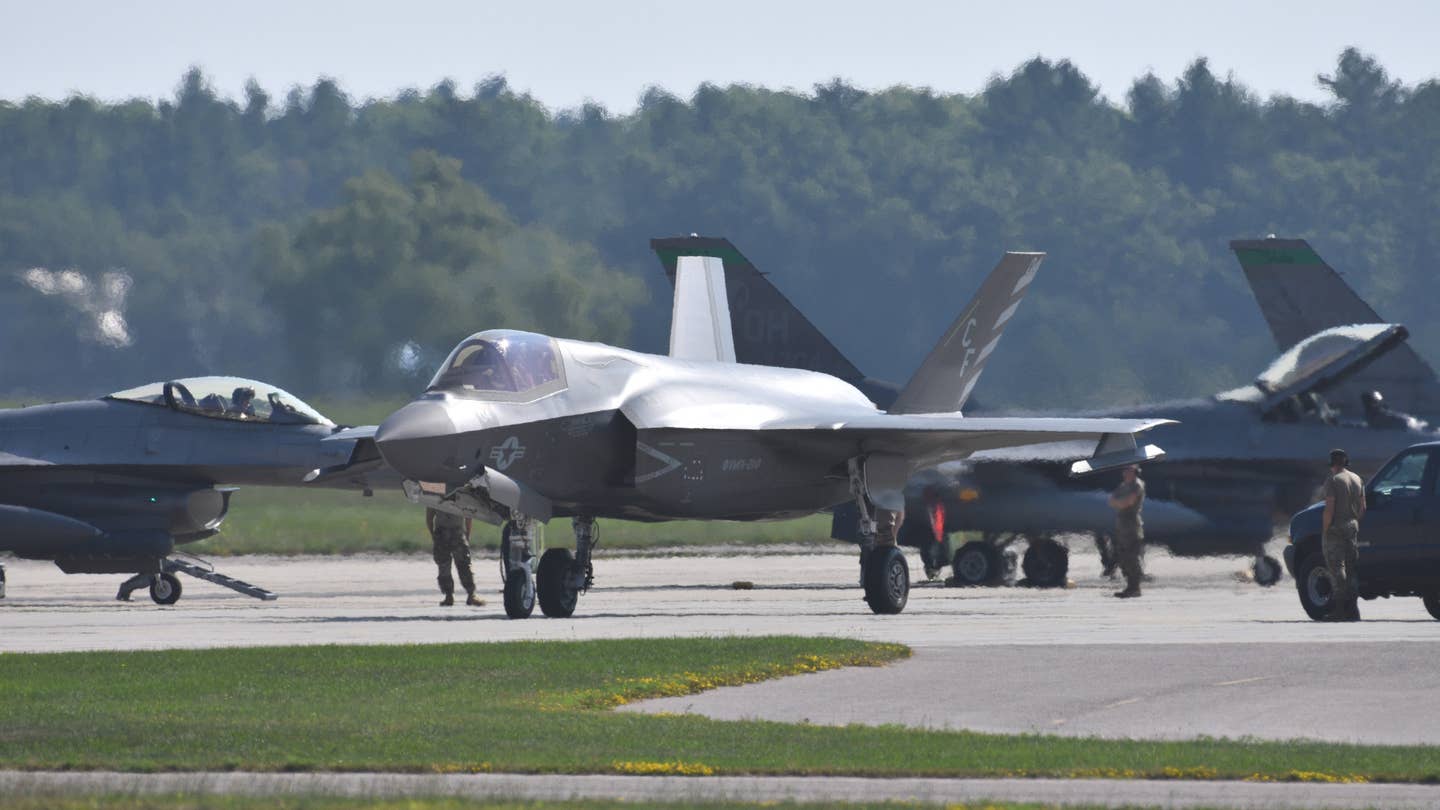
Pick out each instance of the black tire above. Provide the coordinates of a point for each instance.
(1312, 582)
(165, 590)
(1046, 564)
(976, 563)
(1432, 604)
(1267, 571)
(552, 583)
(887, 580)
(519, 595)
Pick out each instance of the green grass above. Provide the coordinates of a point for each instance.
(265, 520)
(543, 707)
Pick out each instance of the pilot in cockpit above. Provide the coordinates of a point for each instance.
(1382, 417)
(486, 370)
(242, 403)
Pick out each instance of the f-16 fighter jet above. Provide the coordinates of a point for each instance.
(111, 486)
(519, 427)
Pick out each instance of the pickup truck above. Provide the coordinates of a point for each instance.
(1399, 537)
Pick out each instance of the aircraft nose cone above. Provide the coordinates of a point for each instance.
(418, 440)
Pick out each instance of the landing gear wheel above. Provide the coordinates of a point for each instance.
(165, 589)
(519, 595)
(887, 580)
(1317, 592)
(1266, 570)
(552, 584)
(1046, 563)
(1432, 604)
(976, 563)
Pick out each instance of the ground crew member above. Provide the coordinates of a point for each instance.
(450, 534)
(1128, 500)
(1344, 506)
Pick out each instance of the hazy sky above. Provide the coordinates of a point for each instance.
(567, 52)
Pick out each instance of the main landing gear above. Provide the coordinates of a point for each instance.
(559, 579)
(1267, 570)
(884, 574)
(564, 576)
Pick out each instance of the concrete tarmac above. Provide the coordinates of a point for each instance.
(560, 788)
(393, 600)
(1202, 653)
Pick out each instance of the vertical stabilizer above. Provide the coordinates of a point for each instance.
(700, 321)
(768, 330)
(1300, 295)
(944, 381)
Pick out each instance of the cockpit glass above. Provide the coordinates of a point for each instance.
(500, 362)
(227, 398)
(1315, 353)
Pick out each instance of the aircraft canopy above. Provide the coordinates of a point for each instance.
(226, 398)
(501, 361)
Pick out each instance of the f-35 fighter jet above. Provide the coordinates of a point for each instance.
(111, 486)
(1238, 462)
(519, 427)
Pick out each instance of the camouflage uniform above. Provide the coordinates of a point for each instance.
(451, 543)
(1342, 539)
(1130, 534)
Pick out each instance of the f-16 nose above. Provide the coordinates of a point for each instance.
(417, 439)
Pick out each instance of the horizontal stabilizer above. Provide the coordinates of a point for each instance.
(944, 381)
(1116, 450)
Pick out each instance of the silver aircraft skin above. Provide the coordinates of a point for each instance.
(113, 485)
(519, 427)
(1238, 463)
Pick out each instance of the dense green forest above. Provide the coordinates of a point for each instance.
(337, 246)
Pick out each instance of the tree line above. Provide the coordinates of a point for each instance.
(335, 245)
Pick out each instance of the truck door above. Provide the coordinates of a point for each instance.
(1390, 532)
(1424, 567)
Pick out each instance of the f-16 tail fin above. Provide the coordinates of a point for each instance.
(767, 329)
(944, 381)
(1300, 295)
(700, 320)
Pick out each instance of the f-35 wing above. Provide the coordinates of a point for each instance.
(928, 439)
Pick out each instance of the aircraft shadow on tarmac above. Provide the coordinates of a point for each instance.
(501, 617)
(1306, 620)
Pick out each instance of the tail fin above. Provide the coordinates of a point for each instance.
(700, 320)
(948, 375)
(1299, 295)
(768, 330)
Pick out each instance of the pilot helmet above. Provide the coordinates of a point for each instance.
(243, 393)
(1372, 399)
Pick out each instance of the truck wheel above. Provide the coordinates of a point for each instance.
(1317, 592)
(1432, 604)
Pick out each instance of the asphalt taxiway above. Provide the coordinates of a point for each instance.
(834, 791)
(1202, 653)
